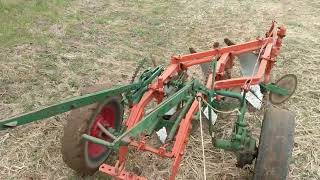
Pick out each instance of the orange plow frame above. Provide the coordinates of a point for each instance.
(269, 48)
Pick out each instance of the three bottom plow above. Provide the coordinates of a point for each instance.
(104, 122)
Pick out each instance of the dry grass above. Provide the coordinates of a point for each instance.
(89, 42)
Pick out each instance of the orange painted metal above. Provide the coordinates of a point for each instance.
(182, 139)
(234, 49)
(121, 175)
(144, 147)
(271, 48)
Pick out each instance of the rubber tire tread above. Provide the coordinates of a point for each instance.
(275, 146)
(72, 145)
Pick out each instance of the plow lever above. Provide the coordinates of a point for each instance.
(78, 102)
(65, 106)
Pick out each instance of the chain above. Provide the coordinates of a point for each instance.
(138, 68)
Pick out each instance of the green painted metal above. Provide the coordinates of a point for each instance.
(180, 81)
(78, 102)
(179, 118)
(224, 144)
(241, 138)
(64, 106)
(96, 140)
(138, 95)
(224, 105)
(275, 89)
(146, 78)
(229, 94)
(214, 67)
(148, 124)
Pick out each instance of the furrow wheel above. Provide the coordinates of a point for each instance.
(275, 146)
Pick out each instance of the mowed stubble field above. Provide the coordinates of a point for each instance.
(49, 50)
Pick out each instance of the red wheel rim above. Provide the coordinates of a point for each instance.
(106, 117)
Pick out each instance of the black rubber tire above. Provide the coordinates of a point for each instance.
(78, 123)
(275, 146)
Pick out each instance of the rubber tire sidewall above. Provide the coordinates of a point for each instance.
(72, 144)
(118, 121)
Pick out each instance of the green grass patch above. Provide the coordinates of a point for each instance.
(21, 20)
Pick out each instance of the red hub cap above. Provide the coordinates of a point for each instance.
(107, 118)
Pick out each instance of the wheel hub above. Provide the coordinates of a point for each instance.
(106, 118)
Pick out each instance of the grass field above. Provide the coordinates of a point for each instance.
(50, 49)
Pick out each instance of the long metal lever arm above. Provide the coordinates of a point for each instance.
(76, 102)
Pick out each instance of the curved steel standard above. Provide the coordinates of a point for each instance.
(153, 84)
